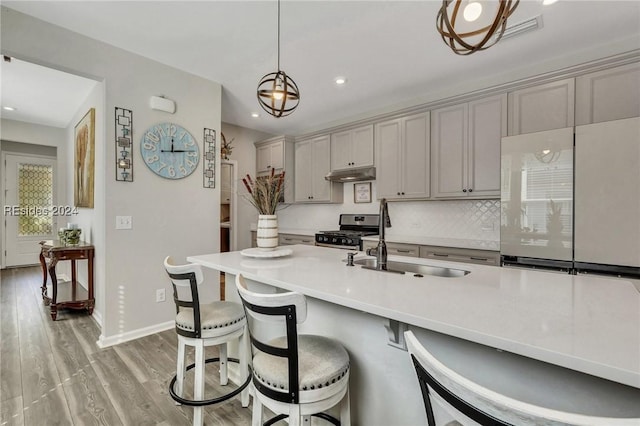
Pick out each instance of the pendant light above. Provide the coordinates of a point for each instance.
(278, 94)
(463, 39)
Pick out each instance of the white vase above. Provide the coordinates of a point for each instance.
(267, 231)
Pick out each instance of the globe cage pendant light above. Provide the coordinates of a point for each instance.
(278, 94)
(489, 34)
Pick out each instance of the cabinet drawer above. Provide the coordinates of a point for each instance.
(290, 239)
(396, 249)
(482, 257)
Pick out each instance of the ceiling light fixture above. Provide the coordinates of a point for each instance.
(255, 115)
(278, 94)
(8, 108)
(472, 11)
(340, 81)
(464, 40)
(548, 2)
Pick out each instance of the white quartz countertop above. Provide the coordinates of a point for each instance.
(584, 323)
(439, 242)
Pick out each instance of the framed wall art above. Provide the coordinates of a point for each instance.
(362, 192)
(84, 160)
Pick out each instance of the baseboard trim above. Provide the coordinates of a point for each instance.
(105, 342)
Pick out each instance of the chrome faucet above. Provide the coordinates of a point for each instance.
(380, 252)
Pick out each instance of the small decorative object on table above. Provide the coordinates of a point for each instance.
(70, 235)
(265, 192)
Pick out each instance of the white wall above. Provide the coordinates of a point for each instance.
(178, 218)
(244, 152)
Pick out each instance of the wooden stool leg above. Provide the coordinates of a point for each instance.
(243, 356)
(180, 367)
(198, 387)
(345, 410)
(256, 416)
(224, 376)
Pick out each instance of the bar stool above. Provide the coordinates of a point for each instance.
(214, 324)
(295, 376)
(472, 404)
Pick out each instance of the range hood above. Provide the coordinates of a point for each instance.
(352, 175)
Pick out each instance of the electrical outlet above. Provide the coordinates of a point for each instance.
(124, 222)
(160, 296)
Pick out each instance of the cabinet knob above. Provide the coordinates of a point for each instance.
(470, 190)
(398, 193)
(464, 190)
(403, 193)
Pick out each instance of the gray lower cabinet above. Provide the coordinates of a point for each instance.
(290, 239)
(398, 249)
(453, 254)
(286, 239)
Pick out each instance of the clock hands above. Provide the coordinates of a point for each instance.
(175, 150)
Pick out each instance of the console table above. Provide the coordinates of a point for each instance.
(67, 294)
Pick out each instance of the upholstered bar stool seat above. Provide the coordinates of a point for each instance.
(216, 318)
(321, 363)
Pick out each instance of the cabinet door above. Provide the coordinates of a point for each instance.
(320, 165)
(487, 126)
(607, 193)
(415, 167)
(263, 159)
(388, 149)
(545, 107)
(449, 142)
(341, 150)
(303, 164)
(362, 146)
(607, 95)
(276, 155)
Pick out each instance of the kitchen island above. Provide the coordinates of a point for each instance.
(573, 340)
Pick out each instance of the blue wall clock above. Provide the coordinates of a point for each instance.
(169, 150)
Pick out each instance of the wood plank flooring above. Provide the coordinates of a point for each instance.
(53, 373)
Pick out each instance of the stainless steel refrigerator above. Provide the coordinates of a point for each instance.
(573, 206)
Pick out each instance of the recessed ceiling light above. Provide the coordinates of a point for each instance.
(8, 108)
(340, 80)
(255, 115)
(472, 11)
(548, 2)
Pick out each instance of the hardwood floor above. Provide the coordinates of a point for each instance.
(53, 373)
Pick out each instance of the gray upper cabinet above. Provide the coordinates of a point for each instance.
(277, 154)
(403, 158)
(352, 148)
(312, 157)
(544, 107)
(465, 142)
(612, 94)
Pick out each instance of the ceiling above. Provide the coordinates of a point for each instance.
(389, 51)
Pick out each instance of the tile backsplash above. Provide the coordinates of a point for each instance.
(465, 219)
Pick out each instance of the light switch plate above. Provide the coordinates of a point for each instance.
(124, 222)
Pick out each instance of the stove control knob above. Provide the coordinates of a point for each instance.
(344, 241)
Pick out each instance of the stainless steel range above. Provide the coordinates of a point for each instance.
(352, 228)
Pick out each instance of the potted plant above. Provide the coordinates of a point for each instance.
(264, 193)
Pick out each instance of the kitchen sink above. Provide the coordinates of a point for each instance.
(413, 268)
